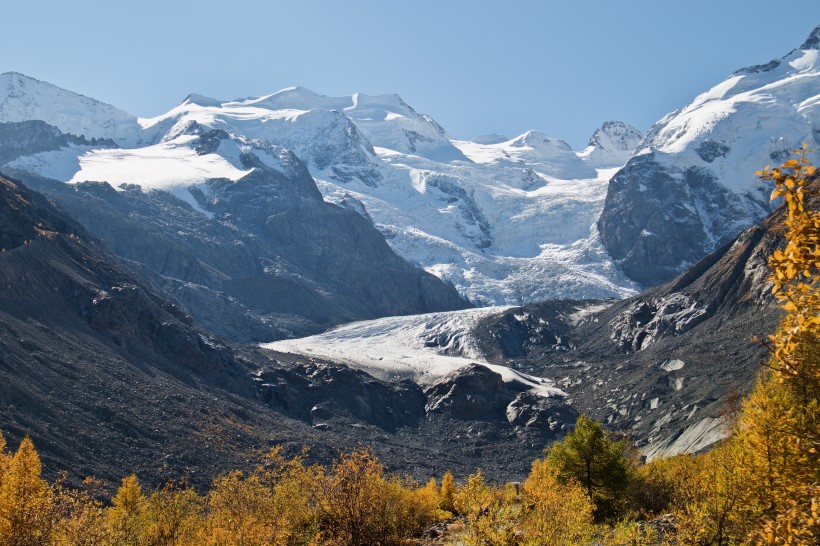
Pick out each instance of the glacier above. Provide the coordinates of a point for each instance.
(505, 221)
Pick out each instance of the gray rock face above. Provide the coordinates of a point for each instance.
(658, 220)
(691, 187)
(24, 138)
(268, 254)
(470, 393)
(319, 392)
(476, 393)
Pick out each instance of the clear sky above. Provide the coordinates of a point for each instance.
(476, 66)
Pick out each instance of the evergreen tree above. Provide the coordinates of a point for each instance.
(599, 463)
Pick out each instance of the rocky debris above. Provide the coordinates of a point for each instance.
(474, 392)
(661, 529)
(319, 392)
(660, 366)
(551, 415)
(645, 321)
(109, 377)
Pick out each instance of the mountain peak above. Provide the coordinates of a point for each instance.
(493, 138)
(291, 98)
(813, 41)
(540, 141)
(12, 75)
(390, 100)
(615, 136)
(201, 100)
(25, 98)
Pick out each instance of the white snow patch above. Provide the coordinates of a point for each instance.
(162, 166)
(672, 365)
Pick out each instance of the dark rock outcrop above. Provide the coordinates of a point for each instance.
(18, 139)
(469, 393)
(658, 220)
(476, 393)
(319, 392)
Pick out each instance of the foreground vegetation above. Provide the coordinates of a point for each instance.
(759, 486)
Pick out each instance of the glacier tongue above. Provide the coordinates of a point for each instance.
(423, 348)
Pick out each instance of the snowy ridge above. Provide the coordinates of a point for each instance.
(612, 144)
(506, 222)
(750, 119)
(691, 186)
(423, 348)
(23, 98)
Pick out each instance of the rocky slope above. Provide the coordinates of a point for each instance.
(258, 258)
(109, 377)
(690, 186)
(663, 366)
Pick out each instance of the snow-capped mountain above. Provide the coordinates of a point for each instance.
(505, 221)
(691, 187)
(23, 98)
(612, 144)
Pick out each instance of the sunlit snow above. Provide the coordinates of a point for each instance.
(162, 166)
(410, 347)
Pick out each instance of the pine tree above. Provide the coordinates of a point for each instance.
(597, 462)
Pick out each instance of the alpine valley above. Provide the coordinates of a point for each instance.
(186, 291)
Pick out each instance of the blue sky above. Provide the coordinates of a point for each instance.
(476, 66)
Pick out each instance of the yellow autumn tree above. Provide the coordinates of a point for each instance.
(172, 516)
(271, 506)
(712, 491)
(127, 514)
(781, 420)
(488, 516)
(554, 513)
(359, 505)
(796, 268)
(83, 519)
(28, 514)
(448, 487)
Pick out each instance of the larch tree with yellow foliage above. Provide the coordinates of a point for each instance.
(780, 425)
(28, 514)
